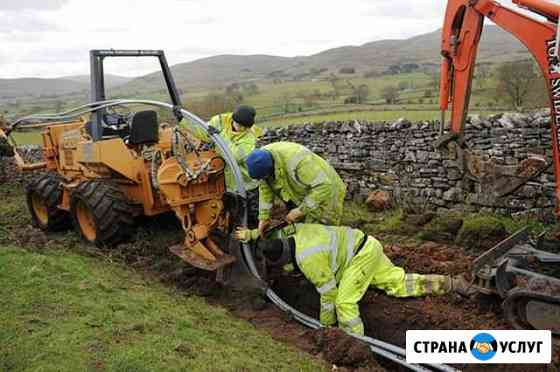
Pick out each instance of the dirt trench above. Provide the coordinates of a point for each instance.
(388, 318)
(385, 318)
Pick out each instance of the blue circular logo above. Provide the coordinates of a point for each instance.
(483, 346)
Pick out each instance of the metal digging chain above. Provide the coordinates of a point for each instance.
(179, 152)
(190, 174)
(154, 157)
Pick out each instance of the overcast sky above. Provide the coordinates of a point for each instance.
(50, 38)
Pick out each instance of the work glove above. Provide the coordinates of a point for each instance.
(263, 226)
(245, 235)
(294, 215)
(242, 234)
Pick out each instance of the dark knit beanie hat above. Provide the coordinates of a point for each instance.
(244, 115)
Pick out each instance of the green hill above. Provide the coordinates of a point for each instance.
(110, 80)
(218, 71)
(36, 87)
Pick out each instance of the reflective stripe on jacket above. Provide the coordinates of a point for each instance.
(306, 179)
(323, 253)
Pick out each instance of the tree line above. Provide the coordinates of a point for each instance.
(518, 84)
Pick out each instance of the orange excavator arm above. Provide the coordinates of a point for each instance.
(464, 20)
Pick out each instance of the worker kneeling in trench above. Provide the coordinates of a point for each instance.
(342, 263)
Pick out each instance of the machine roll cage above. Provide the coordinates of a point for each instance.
(97, 79)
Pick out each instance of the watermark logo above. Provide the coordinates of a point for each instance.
(483, 346)
(515, 347)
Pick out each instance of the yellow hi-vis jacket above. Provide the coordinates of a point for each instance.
(330, 257)
(323, 253)
(240, 144)
(306, 179)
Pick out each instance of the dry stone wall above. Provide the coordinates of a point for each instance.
(399, 157)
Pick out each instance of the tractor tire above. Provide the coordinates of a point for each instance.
(101, 213)
(44, 195)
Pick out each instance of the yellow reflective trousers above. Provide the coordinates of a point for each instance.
(371, 267)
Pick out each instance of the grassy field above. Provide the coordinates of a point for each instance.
(272, 98)
(65, 312)
(283, 103)
(62, 310)
(375, 116)
(371, 115)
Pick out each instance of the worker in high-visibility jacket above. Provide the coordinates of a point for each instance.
(303, 180)
(342, 263)
(240, 135)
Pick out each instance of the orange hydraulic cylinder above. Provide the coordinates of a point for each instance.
(444, 85)
(543, 7)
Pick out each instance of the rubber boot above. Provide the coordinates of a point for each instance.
(462, 286)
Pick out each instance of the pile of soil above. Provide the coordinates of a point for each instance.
(429, 258)
(31, 236)
(481, 233)
(388, 318)
(340, 349)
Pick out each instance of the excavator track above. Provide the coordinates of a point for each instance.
(526, 309)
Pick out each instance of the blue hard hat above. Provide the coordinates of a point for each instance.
(260, 164)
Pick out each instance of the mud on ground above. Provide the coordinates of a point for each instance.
(385, 318)
(388, 318)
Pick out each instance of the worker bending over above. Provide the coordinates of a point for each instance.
(307, 183)
(240, 135)
(342, 263)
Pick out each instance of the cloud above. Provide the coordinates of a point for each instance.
(400, 9)
(199, 50)
(201, 20)
(51, 55)
(51, 37)
(25, 23)
(11, 5)
(4, 58)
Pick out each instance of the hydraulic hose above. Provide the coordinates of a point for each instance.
(378, 347)
(70, 114)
